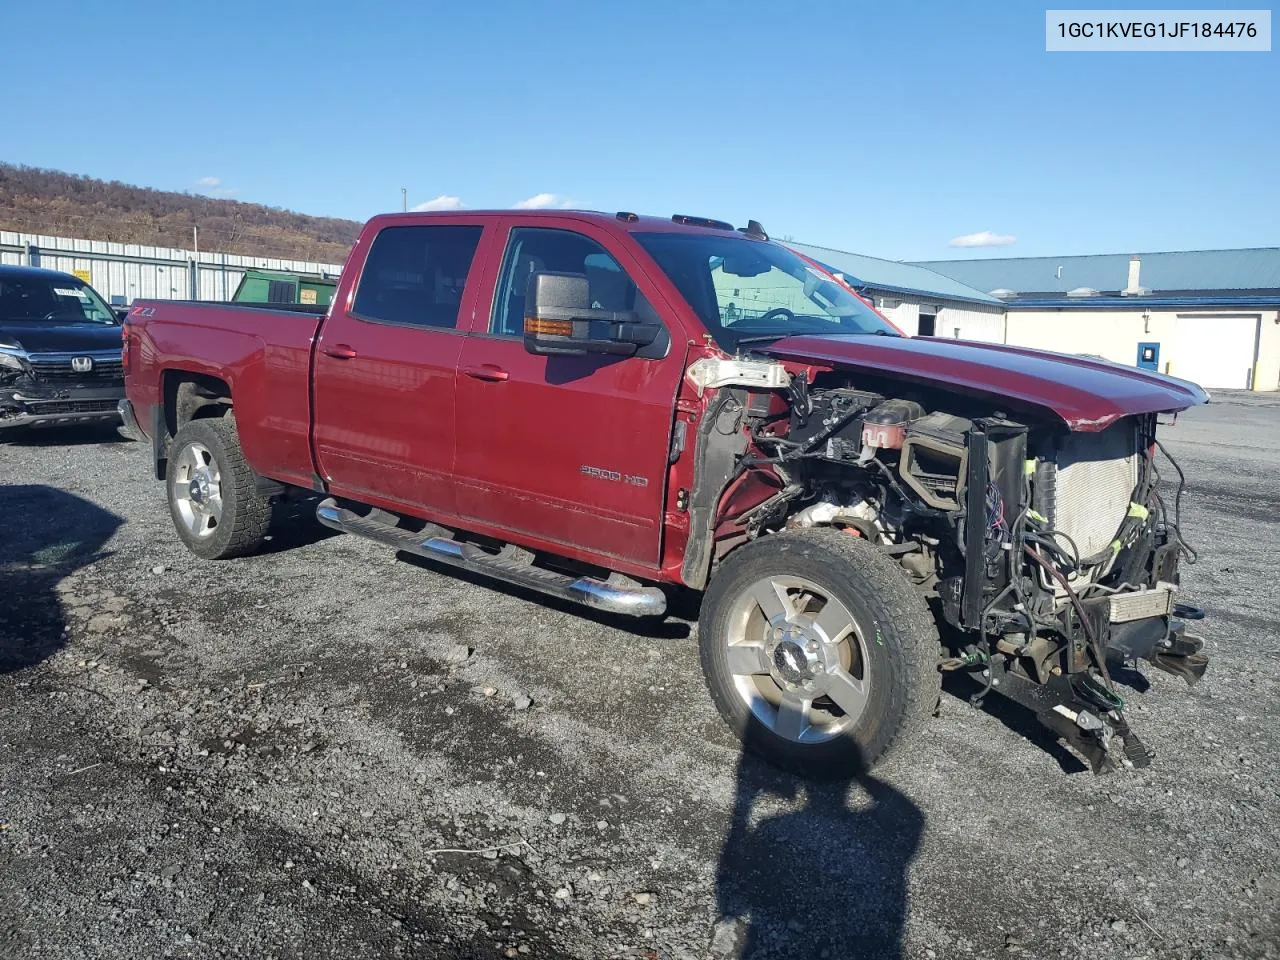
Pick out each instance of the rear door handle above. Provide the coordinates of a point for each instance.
(340, 351)
(487, 372)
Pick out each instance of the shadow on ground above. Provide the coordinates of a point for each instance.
(654, 628)
(294, 524)
(45, 534)
(1014, 716)
(75, 435)
(827, 880)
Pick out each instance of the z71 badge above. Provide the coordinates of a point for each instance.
(602, 474)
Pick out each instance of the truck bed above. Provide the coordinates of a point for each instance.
(262, 353)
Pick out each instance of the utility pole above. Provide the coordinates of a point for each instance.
(404, 199)
(195, 239)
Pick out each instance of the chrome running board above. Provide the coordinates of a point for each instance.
(513, 565)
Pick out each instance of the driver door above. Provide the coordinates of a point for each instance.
(568, 451)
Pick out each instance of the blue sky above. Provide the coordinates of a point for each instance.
(883, 129)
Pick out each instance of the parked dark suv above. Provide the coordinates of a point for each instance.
(60, 350)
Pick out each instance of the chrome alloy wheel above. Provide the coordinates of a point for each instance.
(798, 659)
(197, 489)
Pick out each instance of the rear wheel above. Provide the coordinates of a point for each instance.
(215, 508)
(817, 651)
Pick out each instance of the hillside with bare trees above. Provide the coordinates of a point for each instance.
(34, 200)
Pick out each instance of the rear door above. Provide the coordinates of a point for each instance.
(571, 451)
(385, 365)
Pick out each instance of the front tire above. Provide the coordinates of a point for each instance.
(215, 507)
(818, 653)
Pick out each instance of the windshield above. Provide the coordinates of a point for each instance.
(52, 299)
(748, 291)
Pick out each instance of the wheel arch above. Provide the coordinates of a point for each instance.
(186, 395)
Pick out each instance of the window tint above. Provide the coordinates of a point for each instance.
(416, 275)
(531, 250)
(54, 298)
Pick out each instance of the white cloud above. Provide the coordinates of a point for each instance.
(212, 187)
(544, 201)
(985, 238)
(442, 202)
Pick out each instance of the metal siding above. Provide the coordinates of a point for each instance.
(135, 271)
(974, 323)
(1254, 269)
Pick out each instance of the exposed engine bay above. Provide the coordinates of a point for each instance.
(1049, 557)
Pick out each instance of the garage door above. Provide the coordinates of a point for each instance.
(1215, 351)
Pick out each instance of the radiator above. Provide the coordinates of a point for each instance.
(1090, 483)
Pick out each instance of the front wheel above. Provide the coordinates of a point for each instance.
(215, 508)
(818, 652)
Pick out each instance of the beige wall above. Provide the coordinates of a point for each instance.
(1115, 334)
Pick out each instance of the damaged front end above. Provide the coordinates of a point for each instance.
(1070, 570)
(54, 389)
(1048, 553)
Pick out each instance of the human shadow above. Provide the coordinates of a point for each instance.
(826, 880)
(45, 535)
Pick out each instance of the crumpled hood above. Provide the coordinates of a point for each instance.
(1087, 395)
(52, 336)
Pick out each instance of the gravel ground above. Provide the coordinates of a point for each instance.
(328, 752)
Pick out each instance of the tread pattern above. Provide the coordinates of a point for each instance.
(246, 514)
(881, 591)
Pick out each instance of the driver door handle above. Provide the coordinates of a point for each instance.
(340, 351)
(487, 371)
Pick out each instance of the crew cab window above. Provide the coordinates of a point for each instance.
(534, 249)
(416, 275)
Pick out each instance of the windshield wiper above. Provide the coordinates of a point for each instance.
(770, 337)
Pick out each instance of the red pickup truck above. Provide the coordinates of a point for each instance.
(604, 407)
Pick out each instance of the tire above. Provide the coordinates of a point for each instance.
(884, 670)
(212, 500)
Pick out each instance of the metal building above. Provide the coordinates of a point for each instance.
(919, 301)
(124, 272)
(1210, 316)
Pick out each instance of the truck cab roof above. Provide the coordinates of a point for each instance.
(622, 221)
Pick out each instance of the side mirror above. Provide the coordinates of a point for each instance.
(559, 320)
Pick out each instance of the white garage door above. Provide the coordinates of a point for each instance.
(1215, 351)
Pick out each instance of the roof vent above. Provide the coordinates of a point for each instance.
(1133, 288)
(1082, 292)
(1003, 293)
